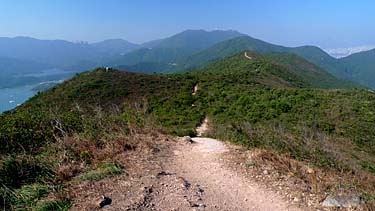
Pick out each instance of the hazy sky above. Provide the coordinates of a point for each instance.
(326, 23)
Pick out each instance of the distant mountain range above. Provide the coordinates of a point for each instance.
(169, 58)
(310, 53)
(184, 51)
(360, 67)
(276, 69)
(170, 54)
(63, 54)
(22, 55)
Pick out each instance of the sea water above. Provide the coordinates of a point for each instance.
(12, 97)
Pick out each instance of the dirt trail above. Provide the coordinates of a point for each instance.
(247, 56)
(185, 176)
(195, 90)
(203, 128)
(201, 164)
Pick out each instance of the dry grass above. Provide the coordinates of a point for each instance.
(138, 162)
(297, 179)
(80, 162)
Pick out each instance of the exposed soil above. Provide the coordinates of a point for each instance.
(201, 165)
(182, 175)
(203, 174)
(247, 56)
(195, 90)
(203, 128)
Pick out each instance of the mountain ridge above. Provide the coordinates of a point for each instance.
(225, 48)
(174, 49)
(361, 67)
(264, 102)
(188, 50)
(290, 68)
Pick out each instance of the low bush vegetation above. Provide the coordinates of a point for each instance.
(74, 130)
(100, 172)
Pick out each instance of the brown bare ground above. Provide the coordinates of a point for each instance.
(207, 174)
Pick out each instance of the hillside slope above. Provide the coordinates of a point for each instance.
(257, 102)
(271, 67)
(172, 50)
(195, 40)
(229, 47)
(188, 50)
(361, 67)
(194, 49)
(314, 74)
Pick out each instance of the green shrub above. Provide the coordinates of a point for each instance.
(24, 198)
(55, 205)
(23, 170)
(102, 171)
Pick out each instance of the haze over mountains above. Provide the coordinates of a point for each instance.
(187, 50)
(24, 55)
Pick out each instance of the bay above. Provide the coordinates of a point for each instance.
(11, 97)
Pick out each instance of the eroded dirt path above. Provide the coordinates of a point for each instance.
(195, 90)
(196, 178)
(247, 56)
(220, 188)
(184, 176)
(203, 128)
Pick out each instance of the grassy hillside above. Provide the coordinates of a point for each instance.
(319, 57)
(312, 73)
(229, 47)
(60, 134)
(255, 102)
(243, 94)
(361, 67)
(288, 69)
(150, 67)
(223, 49)
(112, 88)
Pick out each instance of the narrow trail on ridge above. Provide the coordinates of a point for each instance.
(247, 56)
(184, 175)
(218, 187)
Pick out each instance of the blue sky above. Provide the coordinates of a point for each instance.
(326, 23)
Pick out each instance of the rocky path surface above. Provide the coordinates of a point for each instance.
(185, 175)
(215, 186)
